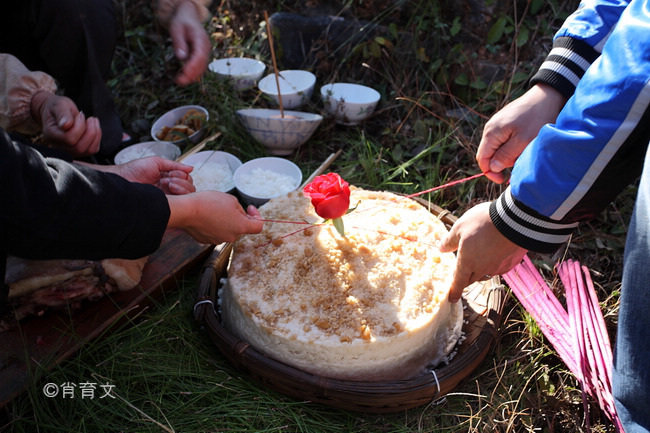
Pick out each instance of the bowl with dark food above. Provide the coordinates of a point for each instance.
(181, 125)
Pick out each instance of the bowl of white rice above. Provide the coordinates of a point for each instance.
(259, 180)
(164, 149)
(213, 170)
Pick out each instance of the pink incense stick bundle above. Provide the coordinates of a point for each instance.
(578, 333)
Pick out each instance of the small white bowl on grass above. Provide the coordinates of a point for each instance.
(164, 149)
(243, 72)
(349, 103)
(261, 179)
(175, 117)
(213, 170)
(296, 87)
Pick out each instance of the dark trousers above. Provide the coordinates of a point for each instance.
(74, 42)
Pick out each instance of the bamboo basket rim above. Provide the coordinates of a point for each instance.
(483, 310)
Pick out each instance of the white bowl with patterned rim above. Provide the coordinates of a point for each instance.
(280, 135)
(296, 87)
(243, 72)
(349, 103)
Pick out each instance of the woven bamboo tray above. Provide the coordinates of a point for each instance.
(483, 304)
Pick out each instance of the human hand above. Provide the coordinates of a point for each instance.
(510, 130)
(64, 125)
(212, 217)
(170, 176)
(482, 249)
(190, 41)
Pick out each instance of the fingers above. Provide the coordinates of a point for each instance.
(177, 186)
(66, 118)
(489, 154)
(255, 218)
(253, 211)
(194, 67)
(192, 47)
(88, 143)
(179, 174)
(82, 136)
(180, 45)
(178, 180)
(75, 128)
(254, 225)
(460, 281)
(450, 242)
(174, 168)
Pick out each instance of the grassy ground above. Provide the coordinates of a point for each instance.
(442, 68)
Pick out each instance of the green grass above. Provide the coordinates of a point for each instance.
(168, 376)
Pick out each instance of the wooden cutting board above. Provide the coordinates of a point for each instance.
(39, 343)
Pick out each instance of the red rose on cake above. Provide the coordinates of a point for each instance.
(330, 196)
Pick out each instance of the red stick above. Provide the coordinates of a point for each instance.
(452, 183)
(538, 299)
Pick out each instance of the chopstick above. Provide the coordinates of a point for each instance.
(275, 65)
(198, 147)
(330, 159)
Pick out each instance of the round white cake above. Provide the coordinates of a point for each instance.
(368, 306)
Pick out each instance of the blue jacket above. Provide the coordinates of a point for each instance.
(600, 60)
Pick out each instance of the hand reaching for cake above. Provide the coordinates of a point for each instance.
(212, 217)
(482, 249)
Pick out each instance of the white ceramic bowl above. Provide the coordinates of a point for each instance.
(174, 117)
(280, 135)
(242, 71)
(164, 149)
(261, 179)
(296, 87)
(349, 103)
(213, 170)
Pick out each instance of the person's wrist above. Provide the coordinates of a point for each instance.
(181, 210)
(36, 104)
(551, 95)
(187, 9)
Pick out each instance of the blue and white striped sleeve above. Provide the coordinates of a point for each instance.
(578, 44)
(597, 146)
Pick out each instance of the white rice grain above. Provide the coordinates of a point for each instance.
(266, 183)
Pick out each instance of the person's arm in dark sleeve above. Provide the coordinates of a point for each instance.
(54, 209)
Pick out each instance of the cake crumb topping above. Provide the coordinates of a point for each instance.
(387, 276)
